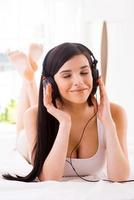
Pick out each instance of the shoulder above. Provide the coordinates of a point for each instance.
(119, 116)
(117, 111)
(120, 119)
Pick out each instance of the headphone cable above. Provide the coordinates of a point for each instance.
(77, 145)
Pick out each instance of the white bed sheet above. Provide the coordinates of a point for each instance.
(70, 190)
(67, 189)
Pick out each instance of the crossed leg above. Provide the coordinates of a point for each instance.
(26, 66)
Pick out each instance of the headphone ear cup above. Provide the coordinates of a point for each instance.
(45, 82)
(95, 74)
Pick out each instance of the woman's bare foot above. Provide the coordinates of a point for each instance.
(35, 51)
(22, 64)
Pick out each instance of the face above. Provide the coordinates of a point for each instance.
(74, 80)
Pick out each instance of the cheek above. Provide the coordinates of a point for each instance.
(89, 81)
(63, 87)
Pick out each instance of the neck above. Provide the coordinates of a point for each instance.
(77, 110)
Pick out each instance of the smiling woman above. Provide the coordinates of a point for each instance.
(68, 129)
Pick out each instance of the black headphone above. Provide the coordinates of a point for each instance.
(55, 92)
(95, 73)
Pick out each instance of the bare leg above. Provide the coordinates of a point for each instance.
(29, 91)
(28, 97)
(23, 105)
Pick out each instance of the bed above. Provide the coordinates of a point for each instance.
(67, 189)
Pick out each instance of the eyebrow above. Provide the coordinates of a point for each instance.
(82, 67)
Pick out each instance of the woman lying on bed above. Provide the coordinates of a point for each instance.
(66, 131)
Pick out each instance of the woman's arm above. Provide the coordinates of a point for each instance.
(116, 144)
(53, 167)
(114, 120)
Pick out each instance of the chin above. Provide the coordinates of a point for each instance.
(79, 101)
(76, 99)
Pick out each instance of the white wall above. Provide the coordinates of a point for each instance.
(55, 21)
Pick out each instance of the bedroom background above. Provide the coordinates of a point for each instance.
(51, 22)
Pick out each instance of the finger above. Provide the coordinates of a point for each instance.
(102, 88)
(47, 95)
(49, 90)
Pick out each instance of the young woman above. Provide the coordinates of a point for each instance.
(67, 132)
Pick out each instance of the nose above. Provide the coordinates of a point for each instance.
(77, 80)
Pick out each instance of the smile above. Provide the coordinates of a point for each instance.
(79, 90)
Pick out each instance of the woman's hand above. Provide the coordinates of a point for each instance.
(58, 112)
(104, 112)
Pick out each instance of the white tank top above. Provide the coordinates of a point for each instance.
(92, 165)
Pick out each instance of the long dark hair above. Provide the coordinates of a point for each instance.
(47, 125)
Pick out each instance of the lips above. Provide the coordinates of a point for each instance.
(79, 90)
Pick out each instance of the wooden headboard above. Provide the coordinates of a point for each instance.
(104, 51)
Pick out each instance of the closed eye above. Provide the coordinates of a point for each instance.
(84, 73)
(67, 76)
